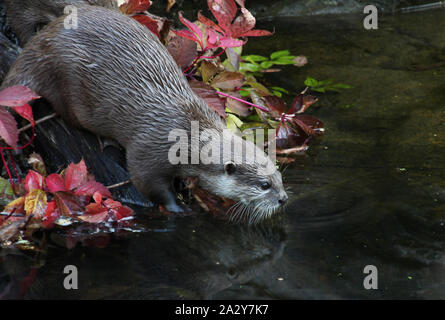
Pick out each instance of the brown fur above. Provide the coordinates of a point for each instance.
(26, 17)
(112, 76)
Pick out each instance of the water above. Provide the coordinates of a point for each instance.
(371, 192)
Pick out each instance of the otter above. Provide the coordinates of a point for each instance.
(26, 17)
(113, 77)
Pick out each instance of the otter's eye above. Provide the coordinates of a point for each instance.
(265, 186)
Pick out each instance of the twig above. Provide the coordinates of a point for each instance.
(304, 147)
(29, 126)
(117, 185)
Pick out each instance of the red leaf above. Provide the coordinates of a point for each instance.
(301, 103)
(230, 42)
(276, 105)
(112, 204)
(68, 203)
(97, 197)
(25, 111)
(76, 175)
(288, 137)
(311, 126)
(238, 107)
(91, 187)
(212, 38)
(183, 50)
(118, 209)
(17, 96)
(228, 80)
(209, 23)
(243, 23)
(33, 180)
(194, 29)
(209, 95)
(150, 23)
(105, 211)
(51, 215)
(256, 33)
(187, 34)
(135, 6)
(55, 183)
(123, 212)
(94, 214)
(224, 11)
(8, 128)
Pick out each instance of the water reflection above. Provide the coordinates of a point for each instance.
(200, 258)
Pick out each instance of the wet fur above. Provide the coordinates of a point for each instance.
(112, 76)
(26, 17)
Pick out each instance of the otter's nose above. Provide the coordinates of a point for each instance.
(283, 199)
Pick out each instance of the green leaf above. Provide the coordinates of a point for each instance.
(252, 118)
(277, 93)
(253, 125)
(274, 124)
(258, 86)
(342, 86)
(233, 122)
(285, 60)
(244, 93)
(280, 89)
(278, 54)
(311, 82)
(325, 83)
(267, 64)
(6, 193)
(228, 65)
(254, 58)
(250, 67)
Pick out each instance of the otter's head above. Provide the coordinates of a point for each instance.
(248, 177)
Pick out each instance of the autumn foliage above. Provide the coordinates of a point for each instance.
(59, 199)
(17, 99)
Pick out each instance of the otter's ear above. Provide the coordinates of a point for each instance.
(230, 167)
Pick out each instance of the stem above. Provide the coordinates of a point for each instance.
(203, 57)
(243, 101)
(29, 126)
(117, 185)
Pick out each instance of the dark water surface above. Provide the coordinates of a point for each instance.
(371, 192)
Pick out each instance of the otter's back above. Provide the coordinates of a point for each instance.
(109, 68)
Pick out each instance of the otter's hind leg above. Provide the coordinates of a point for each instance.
(35, 70)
